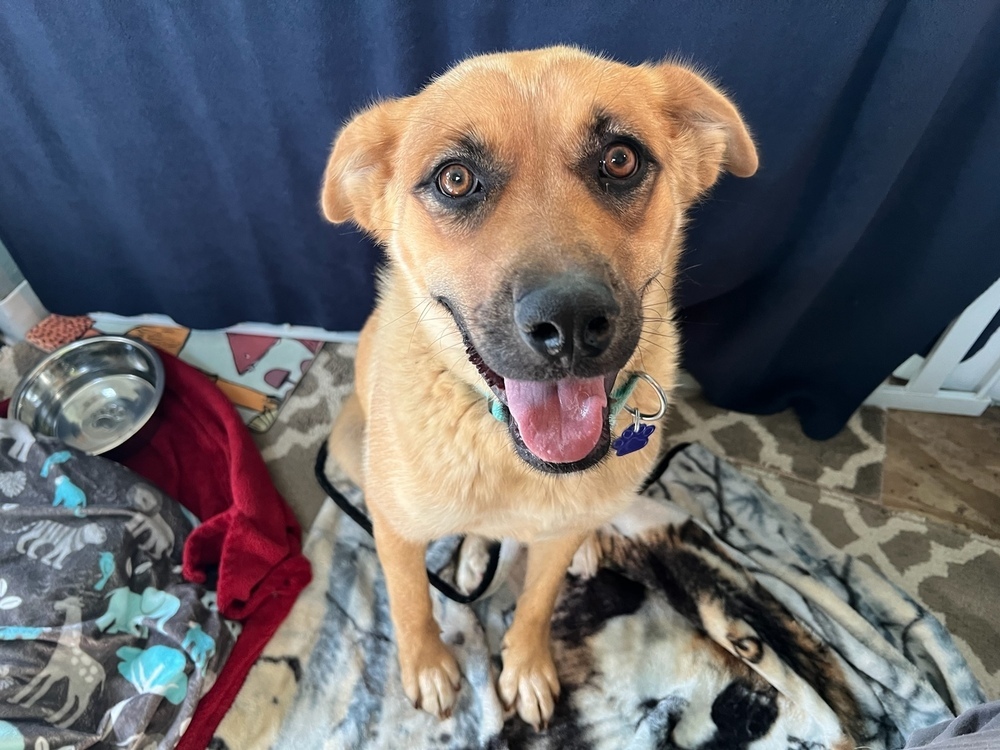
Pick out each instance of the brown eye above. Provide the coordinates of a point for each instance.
(620, 161)
(456, 181)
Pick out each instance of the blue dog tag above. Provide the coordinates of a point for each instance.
(634, 438)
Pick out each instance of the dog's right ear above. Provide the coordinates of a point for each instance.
(361, 165)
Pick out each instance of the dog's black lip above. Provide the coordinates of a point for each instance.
(495, 383)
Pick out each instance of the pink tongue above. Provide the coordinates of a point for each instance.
(559, 421)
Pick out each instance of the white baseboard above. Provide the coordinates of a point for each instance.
(251, 329)
(888, 396)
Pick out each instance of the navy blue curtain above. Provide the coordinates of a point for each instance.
(166, 157)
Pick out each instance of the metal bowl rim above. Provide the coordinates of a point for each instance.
(142, 346)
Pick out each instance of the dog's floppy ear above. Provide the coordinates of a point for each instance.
(361, 164)
(704, 117)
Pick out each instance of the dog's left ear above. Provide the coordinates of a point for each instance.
(707, 120)
(361, 165)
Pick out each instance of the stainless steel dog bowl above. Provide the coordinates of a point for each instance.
(93, 394)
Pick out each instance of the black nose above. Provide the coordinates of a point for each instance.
(567, 316)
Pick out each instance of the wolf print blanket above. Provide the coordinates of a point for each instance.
(102, 644)
(716, 620)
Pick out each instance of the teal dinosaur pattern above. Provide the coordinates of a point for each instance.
(10, 737)
(69, 496)
(56, 458)
(107, 564)
(199, 645)
(157, 670)
(127, 611)
(20, 633)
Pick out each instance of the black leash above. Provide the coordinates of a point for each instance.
(365, 523)
(491, 568)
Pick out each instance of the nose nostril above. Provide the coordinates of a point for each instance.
(547, 335)
(598, 326)
(597, 335)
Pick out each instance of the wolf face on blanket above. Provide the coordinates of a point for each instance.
(531, 205)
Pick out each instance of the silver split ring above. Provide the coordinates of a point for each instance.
(639, 416)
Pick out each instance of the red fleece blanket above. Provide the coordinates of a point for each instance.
(248, 544)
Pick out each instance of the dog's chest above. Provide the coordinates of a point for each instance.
(526, 512)
(460, 484)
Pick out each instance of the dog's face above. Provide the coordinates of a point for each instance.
(537, 196)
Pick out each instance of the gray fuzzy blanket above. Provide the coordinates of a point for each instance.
(717, 620)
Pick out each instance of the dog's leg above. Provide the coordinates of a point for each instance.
(529, 680)
(347, 439)
(429, 671)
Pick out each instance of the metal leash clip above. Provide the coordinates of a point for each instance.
(636, 436)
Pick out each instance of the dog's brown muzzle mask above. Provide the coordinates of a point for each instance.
(550, 346)
(536, 196)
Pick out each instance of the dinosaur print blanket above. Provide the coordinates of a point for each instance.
(716, 620)
(102, 643)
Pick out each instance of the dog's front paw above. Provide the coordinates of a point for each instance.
(587, 559)
(529, 683)
(430, 677)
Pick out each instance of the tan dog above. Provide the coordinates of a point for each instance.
(531, 206)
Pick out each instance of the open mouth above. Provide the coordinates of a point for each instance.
(557, 426)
